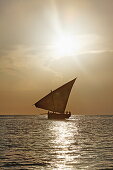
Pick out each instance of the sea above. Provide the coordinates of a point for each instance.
(36, 143)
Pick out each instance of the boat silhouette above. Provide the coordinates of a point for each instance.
(55, 102)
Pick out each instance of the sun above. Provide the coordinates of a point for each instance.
(71, 45)
(68, 45)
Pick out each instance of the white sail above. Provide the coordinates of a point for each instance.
(56, 100)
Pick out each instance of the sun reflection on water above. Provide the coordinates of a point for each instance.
(64, 144)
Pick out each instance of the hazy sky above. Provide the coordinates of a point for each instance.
(46, 43)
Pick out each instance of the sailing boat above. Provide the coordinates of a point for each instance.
(55, 102)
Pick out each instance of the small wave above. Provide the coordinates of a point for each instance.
(10, 164)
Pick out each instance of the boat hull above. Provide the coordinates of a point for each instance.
(58, 115)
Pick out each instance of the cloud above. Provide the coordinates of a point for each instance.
(26, 65)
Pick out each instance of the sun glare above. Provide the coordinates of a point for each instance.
(67, 45)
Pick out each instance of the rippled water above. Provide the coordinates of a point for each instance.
(35, 143)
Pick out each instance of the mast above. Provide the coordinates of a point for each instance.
(53, 101)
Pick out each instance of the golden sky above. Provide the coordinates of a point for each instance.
(46, 43)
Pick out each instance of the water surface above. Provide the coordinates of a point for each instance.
(35, 143)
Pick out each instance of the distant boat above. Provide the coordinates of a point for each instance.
(55, 102)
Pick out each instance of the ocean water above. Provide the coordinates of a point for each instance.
(36, 143)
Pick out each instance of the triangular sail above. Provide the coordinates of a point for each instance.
(56, 100)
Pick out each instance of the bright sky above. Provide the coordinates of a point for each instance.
(44, 44)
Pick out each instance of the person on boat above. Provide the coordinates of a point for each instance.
(69, 113)
(66, 112)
